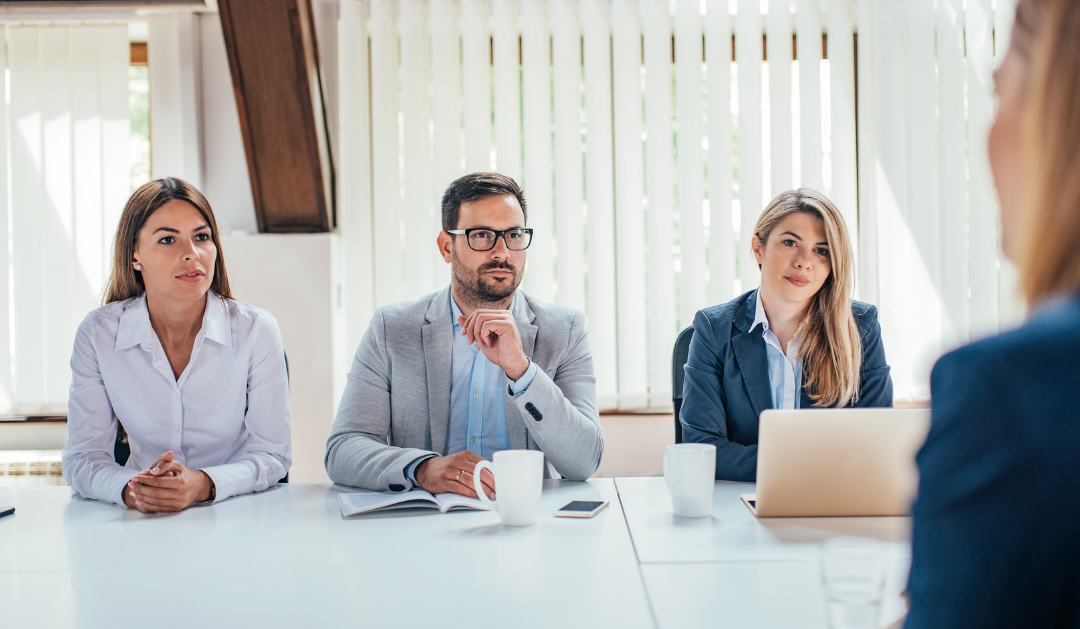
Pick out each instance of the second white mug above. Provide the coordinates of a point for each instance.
(519, 477)
(689, 469)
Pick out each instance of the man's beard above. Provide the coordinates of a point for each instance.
(479, 290)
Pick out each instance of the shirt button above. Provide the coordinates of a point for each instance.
(475, 395)
(473, 440)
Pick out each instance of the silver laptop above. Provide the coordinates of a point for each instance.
(837, 462)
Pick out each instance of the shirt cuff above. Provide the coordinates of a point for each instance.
(525, 380)
(231, 479)
(114, 484)
(409, 471)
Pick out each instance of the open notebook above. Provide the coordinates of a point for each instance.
(366, 502)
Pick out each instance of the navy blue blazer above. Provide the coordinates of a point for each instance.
(727, 381)
(996, 529)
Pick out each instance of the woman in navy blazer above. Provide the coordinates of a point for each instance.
(996, 527)
(797, 341)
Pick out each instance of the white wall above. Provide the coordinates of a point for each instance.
(175, 90)
(195, 128)
(225, 174)
(293, 277)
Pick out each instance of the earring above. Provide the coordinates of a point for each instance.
(138, 267)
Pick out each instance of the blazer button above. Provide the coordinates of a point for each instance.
(396, 487)
(532, 411)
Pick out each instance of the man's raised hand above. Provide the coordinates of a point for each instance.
(496, 332)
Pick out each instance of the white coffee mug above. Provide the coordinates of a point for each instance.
(519, 477)
(689, 469)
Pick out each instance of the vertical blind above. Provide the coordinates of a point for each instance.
(650, 134)
(65, 166)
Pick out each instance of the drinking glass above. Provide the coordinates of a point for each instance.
(853, 571)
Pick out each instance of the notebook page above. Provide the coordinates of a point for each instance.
(451, 501)
(364, 502)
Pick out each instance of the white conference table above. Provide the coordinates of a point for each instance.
(287, 558)
(733, 533)
(748, 572)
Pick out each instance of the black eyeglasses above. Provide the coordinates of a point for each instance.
(483, 239)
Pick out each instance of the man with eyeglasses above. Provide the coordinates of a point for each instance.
(442, 382)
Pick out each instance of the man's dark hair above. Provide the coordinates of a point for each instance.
(473, 188)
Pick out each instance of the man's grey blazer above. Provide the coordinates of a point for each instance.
(396, 405)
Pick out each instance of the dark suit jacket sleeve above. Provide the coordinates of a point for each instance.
(703, 414)
(969, 537)
(875, 381)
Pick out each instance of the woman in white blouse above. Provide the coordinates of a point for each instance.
(197, 379)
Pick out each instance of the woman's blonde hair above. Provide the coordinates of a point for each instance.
(125, 282)
(1046, 33)
(829, 342)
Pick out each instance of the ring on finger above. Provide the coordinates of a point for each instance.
(458, 477)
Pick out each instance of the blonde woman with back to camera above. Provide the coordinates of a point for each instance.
(995, 526)
(798, 341)
(196, 378)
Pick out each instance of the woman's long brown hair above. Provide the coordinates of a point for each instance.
(125, 282)
(1047, 35)
(829, 342)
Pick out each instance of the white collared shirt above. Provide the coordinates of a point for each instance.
(785, 368)
(227, 414)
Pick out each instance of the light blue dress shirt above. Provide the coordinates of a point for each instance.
(785, 368)
(477, 414)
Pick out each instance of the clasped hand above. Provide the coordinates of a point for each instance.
(166, 487)
(497, 334)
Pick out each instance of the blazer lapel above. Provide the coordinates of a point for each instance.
(438, 349)
(749, 350)
(515, 427)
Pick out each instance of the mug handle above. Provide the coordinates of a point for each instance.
(488, 502)
(667, 479)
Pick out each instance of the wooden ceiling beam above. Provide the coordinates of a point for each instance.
(274, 62)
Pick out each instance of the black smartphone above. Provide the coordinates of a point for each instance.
(581, 509)
(6, 511)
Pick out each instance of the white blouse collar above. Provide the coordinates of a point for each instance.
(135, 329)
